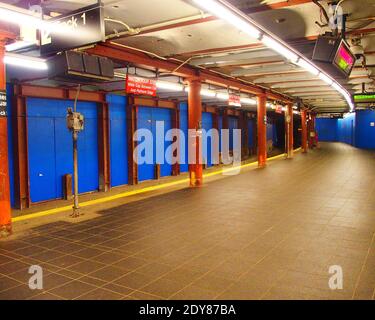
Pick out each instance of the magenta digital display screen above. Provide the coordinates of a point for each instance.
(344, 59)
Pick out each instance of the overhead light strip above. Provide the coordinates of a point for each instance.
(227, 12)
(23, 61)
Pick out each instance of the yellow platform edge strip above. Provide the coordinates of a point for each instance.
(140, 191)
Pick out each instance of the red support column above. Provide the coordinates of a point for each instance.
(289, 126)
(195, 123)
(103, 147)
(5, 210)
(262, 130)
(304, 130)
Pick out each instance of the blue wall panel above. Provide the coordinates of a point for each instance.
(165, 116)
(147, 119)
(327, 129)
(251, 124)
(365, 133)
(232, 124)
(118, 140)
(346, 129)
(207, 124)
(145, 170)
(50, 148)
(184, 167)
(42, 163)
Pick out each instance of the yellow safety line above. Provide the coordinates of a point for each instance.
(139, 191)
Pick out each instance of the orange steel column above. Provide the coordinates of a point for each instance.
(195, 123)
(289, 124)
(262, 130)
(5, 214)
(304, 130)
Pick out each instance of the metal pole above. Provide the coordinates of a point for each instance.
(75, 166)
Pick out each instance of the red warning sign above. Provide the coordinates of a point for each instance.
(140, 86)
(234, 100)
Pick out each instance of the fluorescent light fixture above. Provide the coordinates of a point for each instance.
(23, 17)
(248, 101)
(222, 96)
(208, 93)
(222, 12)
(25, 61)
(172, 86)
(295, 107)
(17, 45)
(16, 16)
(340, 89)
(225, 12)
(270, 105)
(325, 78)
(279, 48)
(308, 66)
(296, 112)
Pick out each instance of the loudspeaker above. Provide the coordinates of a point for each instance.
(325, 49)
(79, 67)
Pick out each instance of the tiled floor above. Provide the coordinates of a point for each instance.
(264, 234)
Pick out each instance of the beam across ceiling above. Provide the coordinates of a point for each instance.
(128, 56)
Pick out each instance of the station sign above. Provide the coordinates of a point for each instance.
(330, 116)
(76, 29)
(364, 97)
(279, 109)
(140, 86)
(3, 103)
(234, 100)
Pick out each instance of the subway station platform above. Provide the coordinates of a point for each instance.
(267, 233)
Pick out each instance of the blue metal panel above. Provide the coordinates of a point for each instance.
(327, 129)
(147, 118)
(346, 129)
(365, 132)
(165, 116)
(274, 135)
(220, 125)
(184, 167)
(251, 124)
(42, 164)
(207, 124)
(63, 154)
(50, 148)
(88, 156)
(269, 131)
(145, 171)
(232, 124)
(118, 140)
